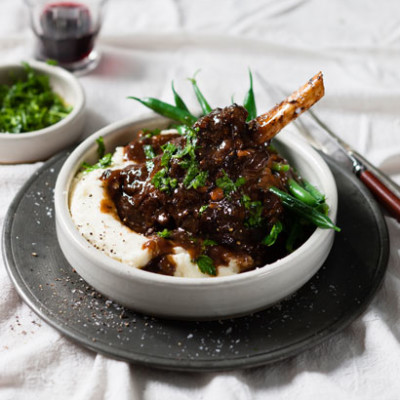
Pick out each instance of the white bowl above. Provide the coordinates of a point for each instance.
(192, 298)
(41, 144)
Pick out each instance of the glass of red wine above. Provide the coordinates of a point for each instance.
(66, 31)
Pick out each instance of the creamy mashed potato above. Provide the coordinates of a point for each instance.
(105, 231)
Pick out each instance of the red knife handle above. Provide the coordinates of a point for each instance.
(384, 196)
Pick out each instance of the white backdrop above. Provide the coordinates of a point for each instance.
(146, 44)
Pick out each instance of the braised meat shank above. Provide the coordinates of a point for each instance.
(213, 200)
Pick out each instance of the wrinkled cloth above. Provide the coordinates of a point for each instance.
(147, 44)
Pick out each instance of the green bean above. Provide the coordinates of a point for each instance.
(178, 100)
(301, 194)
(200, 98)
(249, 102)
(278, 167)
(323, 208)
(294, 234)
(167, 110)
(305, 211)
(313, 191)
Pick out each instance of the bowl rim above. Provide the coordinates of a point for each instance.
(56, 71)
(63, 217)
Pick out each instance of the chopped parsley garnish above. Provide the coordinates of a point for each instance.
(150, 154)
(30, 104)
(150, 133)
(149, 151)
(270, 239)
(194, 178)
(105, 160)
(190, 147)
(240, 181)
(227, 184)
(206, 265)
(149, 165)
(101, 148)
(166, 234)
(255, 209)
(182, 129)
(163, 182)
(203, 208)
(168, 151)
(209, 242)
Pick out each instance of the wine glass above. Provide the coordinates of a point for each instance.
(66, 32)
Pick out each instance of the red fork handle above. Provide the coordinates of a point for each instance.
(384, 196)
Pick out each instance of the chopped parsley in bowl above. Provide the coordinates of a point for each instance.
(41, 111)
(29, 103)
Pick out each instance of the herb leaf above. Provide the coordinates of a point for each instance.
(194, 178)
(190, 147)
(149, 151)
(206, 265)
(163, 182)
(150, 154)
(168, 151)
(270, 239)
(105, 160)
(164, 233)
(101, 148)
(203, 208)
(227, 184)
(255, 209)
(150, 133)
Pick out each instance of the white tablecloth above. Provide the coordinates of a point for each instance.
(145, 45)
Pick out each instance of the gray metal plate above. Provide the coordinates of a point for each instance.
(337, 295)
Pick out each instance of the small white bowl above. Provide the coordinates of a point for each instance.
(41, 144)
(192, 298)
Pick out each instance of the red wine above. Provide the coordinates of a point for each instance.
(67, 32)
